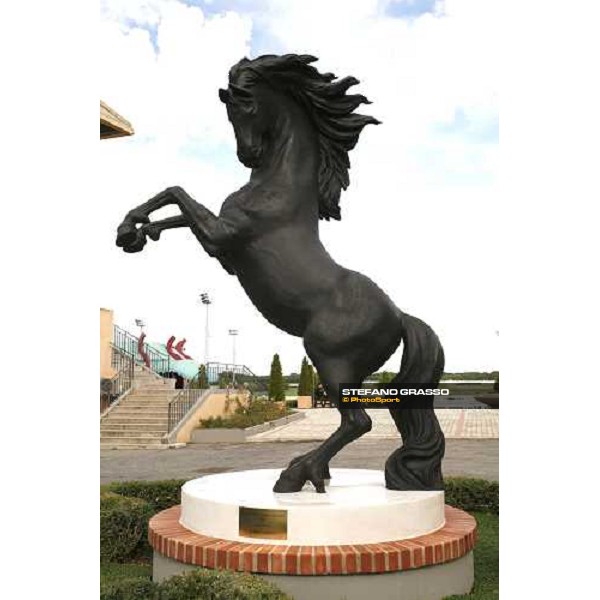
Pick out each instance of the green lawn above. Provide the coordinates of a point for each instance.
(486, 563)
(486, 560)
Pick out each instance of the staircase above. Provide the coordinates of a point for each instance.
(141, 418)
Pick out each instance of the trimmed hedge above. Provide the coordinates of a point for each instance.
(462, 492)
(199, 584)
(473, 494)
(123, 526)
(159, 494)
(125, 509)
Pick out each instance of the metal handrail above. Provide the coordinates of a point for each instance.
(123, 364)
(215, 369)
(129, 344)
(181, 405)
(229, 367)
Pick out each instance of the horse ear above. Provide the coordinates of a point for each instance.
(223, 96)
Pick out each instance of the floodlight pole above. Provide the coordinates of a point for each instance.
(205, 299)
(233, 333)
(140, 323)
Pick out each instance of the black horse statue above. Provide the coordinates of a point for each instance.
(294, 127)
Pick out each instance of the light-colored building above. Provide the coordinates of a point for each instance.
(106, 338)
(112, 124)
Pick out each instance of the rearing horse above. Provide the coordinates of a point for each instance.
(294, 128)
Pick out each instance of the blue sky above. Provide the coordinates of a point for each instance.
(430, 70)
(407, 9)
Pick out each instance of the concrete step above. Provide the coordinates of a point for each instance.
(130, 433)
(160, 427)
(141, 413)
(150, 395)
(112, 445)
(152, 381)
(141, 441)
(144, 382)
(154, 391)
(141, 406)
(140, 420)
(149, 376)
(148, 399)
(151, 392)
(150, 403)
(134, 404)
(158, 387)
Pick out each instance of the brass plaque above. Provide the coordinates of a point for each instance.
(266, 523)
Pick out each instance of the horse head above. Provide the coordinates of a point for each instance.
(263, 91)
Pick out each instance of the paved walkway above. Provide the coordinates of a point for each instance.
(319, 423)
(464, 457)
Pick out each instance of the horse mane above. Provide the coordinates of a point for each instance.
(330, 108)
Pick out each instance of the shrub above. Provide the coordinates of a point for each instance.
(207, 584)
(160, 495)
(472, 494)
(111, 572)
(123, 525)
(198, 584)
(138, 588)
(258, 411)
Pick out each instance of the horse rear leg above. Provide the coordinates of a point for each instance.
(314, 466)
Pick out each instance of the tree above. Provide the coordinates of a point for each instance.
(200, 381)
(276, 383)
(202, 378)
(225, 378)
(305, 385)
(385, 376)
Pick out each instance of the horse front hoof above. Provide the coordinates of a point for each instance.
(130, 238)
(286, 485)
(325, 471)
(298, 473)
(136, 247)
(127, 234)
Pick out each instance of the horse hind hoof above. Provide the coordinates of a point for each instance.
(285, 485)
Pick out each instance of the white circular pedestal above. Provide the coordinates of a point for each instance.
(356, 509)
(358, 540)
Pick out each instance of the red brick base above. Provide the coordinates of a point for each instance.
(172, 540)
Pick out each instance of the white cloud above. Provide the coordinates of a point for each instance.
(430, 228)
(140, 12)
(171, 95)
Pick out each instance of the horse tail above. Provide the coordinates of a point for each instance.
(416, 465)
